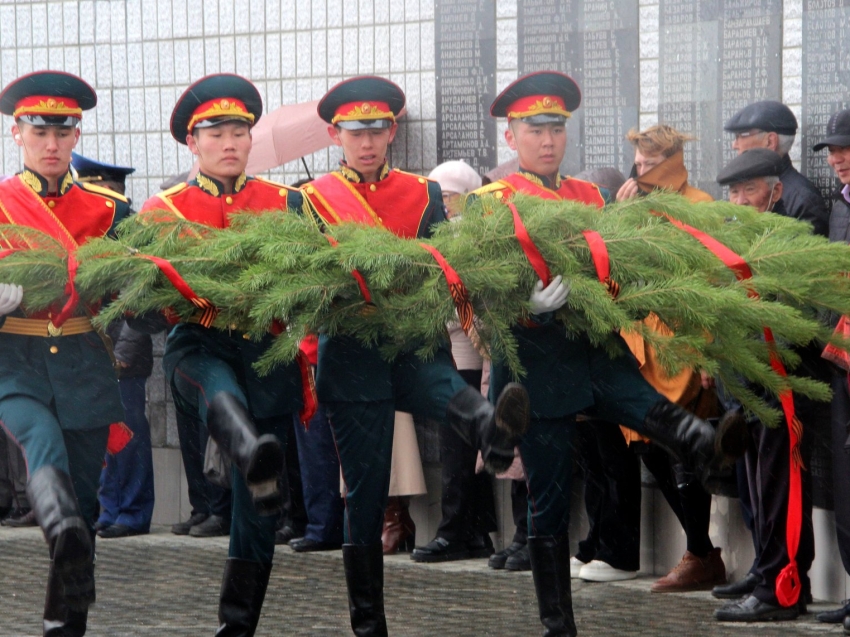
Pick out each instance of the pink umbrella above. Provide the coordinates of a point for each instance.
(285, 134)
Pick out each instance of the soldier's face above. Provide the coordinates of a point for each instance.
(839, 159)
(756, 193)
(46, 149)
(222, 150)
(364, 149)
(540, 147)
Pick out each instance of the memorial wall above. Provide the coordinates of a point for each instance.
(595, 42)
(715, 57)
(465, 61)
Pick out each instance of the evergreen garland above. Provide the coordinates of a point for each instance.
(280, 267)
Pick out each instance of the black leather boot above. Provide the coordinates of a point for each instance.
(59, 620)
(493, 430)
(243, 589)
(550, 568)
(260, 459)
(51, 495)
(693, 441)
(364, 576)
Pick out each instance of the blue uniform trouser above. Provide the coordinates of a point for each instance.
(126, 482)
(197, 379)
(621, 395)
(77, 452)
(364, 437)
(320, 478)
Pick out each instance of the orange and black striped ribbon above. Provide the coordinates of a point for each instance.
(460, 295)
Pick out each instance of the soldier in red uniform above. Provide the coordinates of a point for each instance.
(566, 374)
(58, 390)
(361, 390)
(210, 370)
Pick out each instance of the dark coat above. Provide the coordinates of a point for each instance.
(132, 348)
(802, 200)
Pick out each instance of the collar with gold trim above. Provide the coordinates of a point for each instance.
(541, 180)
(355, 176)
(38, 183)
(214, 187)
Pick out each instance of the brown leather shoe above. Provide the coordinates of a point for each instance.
(399, 531)
(693, 574)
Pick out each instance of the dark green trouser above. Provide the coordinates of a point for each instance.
(197, 379)
(621, 395)
(78, 452)
(364, 437)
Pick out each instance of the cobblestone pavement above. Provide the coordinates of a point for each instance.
(164, 585)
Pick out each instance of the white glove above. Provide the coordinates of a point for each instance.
(550, 298)
(10, 298)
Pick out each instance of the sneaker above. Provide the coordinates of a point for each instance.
(213, 526)
(575, 567)
(599, 571)
(498, 560)
(693, 574)
(183, 528)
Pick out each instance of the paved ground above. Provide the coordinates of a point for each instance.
(165, 585)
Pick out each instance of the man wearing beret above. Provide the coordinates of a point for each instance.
(753, 178)
(211, 370)
(360, 390)
(58, 391)
(837, 144)
(771, 124)
(537, 107)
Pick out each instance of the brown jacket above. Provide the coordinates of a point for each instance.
(684, 388)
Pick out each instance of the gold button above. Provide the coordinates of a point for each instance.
(228, 200)
(421, 180)
(109, 204)
(282, 192)
(373, 187)
(498, 194)
(310, 190)
(233, 326)
(246, 336)
(52, 204)
(53, 349)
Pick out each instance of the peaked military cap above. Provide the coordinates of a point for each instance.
(751, 164)
(837, 131)
(92, 170)
(213, 100)
(362, 102)
(769, 116)
(538, 98)
(48, 98)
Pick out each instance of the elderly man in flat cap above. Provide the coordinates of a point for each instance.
(772, 125)
(754, 180)
(837, 144)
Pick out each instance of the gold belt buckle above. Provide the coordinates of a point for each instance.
(52, 330)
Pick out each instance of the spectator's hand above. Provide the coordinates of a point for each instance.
(549, 298)
(628, 190)
(706, 381)
(122, 364)
(10, 298)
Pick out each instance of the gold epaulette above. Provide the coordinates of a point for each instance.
(421, 178)
(169, 192)
(275, 184)
(100, 190)
(488, 189)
